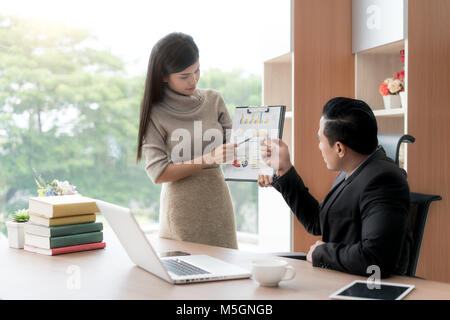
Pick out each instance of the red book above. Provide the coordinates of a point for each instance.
(55, 251)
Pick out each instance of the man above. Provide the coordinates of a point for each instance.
(364, 219)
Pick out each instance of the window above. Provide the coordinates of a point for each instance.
(71, 80)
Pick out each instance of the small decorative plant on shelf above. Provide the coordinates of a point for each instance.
(393, 88)
(15, 227)
(390, 89)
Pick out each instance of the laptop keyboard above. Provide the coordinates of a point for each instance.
(181, 268)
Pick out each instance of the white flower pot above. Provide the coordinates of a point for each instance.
(16, 234)
(392, 101)
(403, 98)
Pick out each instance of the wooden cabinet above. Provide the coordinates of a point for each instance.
(426, 116)
(372, 67)
(325, 67)
(429, 122)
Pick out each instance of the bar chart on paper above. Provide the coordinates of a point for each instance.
(254, 118)
(250, 125)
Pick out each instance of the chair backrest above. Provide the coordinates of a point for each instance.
(420, 203)
(391, 144)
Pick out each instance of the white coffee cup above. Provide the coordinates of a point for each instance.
(269, 272)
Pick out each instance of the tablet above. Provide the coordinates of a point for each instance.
(360, 290)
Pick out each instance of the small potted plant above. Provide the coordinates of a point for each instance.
(393, 89)
(390, 89)
(16, 233)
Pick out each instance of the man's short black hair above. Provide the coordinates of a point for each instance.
(351, 122)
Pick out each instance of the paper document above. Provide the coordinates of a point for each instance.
(250, 125)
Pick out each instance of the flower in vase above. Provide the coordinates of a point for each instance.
(384, 91)
(391, 86)
(55, 188)
(65, 188)
(395, 86)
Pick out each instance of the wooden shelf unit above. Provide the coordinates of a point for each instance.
(397, 112)
(372, 67)
(325, 68)
(277, 90)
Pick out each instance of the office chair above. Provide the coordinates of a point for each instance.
(391, 144)
(420, 203)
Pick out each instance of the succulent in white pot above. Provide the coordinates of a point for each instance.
(16, 233)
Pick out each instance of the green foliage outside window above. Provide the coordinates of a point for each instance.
(71, 112)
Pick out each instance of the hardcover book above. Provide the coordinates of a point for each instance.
(64, 230)
(61, 206)
(64, 241)
(69, 249)
(51, 222)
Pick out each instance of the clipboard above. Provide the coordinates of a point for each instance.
(250, 125)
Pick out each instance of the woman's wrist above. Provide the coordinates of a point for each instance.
(207, 160)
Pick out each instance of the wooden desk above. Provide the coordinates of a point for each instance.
(110, 274)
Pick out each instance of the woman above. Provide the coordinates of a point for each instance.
(176, 130)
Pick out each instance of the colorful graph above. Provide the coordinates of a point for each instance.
(255, 118)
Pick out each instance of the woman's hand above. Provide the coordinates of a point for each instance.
(224, 153)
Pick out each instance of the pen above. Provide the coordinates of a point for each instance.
(245, 140)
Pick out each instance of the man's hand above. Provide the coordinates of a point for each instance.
(312, 248)
(275, 153)
(264, 180)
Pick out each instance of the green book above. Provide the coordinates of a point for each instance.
(65, 230)
(64, 241)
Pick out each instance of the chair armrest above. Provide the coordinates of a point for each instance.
(291, 255)
(420, 198)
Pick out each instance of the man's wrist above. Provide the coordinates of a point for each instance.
(281, 172)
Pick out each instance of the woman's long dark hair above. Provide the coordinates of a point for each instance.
(173, 53)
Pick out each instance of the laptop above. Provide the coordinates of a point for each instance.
(174, 269)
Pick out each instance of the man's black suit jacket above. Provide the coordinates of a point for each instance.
(364, 219)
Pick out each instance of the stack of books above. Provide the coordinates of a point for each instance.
(62, 224)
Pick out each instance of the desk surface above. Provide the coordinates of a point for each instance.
(110, 274)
